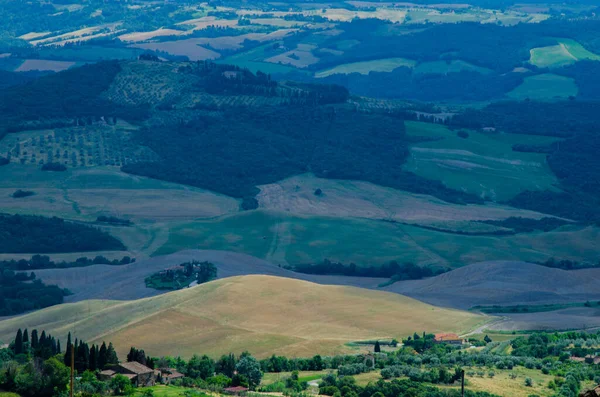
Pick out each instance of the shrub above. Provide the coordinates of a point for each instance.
(54, 167)
(528, 382)
(22, 193)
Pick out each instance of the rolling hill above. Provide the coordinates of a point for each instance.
(503, 283)
(262, 314)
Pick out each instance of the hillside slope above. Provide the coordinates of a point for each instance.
(127, 282)
(503, 283)
(262, 314)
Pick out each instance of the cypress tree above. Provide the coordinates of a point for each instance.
(19, 342)
(111, 355)
(102, 357)
(377, 347)
(34, 339)
(25, 336)
(68, 351)
(93, 365)
(58, 349)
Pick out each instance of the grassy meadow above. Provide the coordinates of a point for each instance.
(545, 87)
(379, 65)
(286, 239)
(566, 52)
(483, 164)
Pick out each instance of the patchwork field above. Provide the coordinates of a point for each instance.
(564, 53)
(483, 164)
(545, 87)
(247, 313)
(380, 65)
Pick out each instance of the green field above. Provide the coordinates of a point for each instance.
(445, 67)
(285, 239)
(254, 60)
(483, 164)
(379, 65)
(545, 87)
(532, 308)
(564, 53)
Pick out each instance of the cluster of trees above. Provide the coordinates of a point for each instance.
(113, 220)
(44, 262)
(36, 234)
(40, 345)
(171, 279)
(20, 292)
(567, 264)
(62, 98)
(34, 365)
(393, 270)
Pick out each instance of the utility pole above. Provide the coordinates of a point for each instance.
(73, 370)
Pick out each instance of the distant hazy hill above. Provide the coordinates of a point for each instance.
(263, 314)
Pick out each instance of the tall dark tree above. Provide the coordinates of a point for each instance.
(93, 365)
(111, 355)
(25, 336)
(34, 339)
(102, 356)
(58, 349)
(19, 342)
(377, 347)
(67, 359)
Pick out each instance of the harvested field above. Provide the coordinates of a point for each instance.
(205, 22)
(380, 65)
(301, 57)
(186, 47)
(570, 318)
(343, 198)
(504, 283)
(143, 36)
(77, 35)
(127, 282)
(86, 193)
(43, 65)
(247, 313)
(344, 15)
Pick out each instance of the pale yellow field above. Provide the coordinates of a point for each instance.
(263, 314)
(343, 198)
(141, 36)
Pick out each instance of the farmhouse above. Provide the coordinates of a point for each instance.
(138, 374)
(170, 374)
(449, 338)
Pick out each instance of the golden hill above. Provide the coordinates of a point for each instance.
(261, 314)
